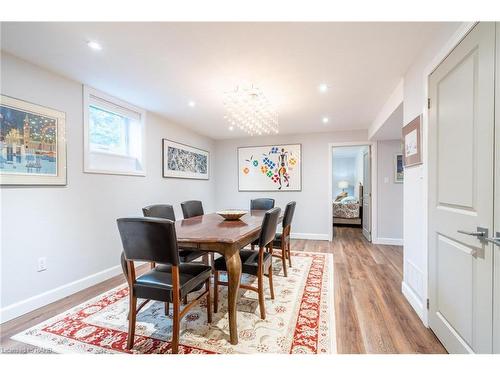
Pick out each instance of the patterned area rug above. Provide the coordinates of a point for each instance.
(301, 319)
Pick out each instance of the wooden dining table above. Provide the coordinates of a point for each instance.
(212, 233)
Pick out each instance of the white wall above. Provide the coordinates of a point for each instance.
(344, 169)
(389, 195)
(311, 219)
(74, 226)
(415, 198)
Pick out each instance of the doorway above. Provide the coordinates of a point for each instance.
(350, 188)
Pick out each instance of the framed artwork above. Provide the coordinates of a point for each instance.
(32, 144)
(398, 169)
(412, 152)
(183, 161)
(270, 168)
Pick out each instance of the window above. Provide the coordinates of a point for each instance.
(114, 135)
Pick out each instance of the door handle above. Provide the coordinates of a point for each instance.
(494, 240)
(481, 233)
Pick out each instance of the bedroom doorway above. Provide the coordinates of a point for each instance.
(350, 177)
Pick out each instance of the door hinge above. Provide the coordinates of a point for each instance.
(427, 303)
(428, 103)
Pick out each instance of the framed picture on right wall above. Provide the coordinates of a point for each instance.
(412, 138)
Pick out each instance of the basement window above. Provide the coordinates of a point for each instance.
(114, 135)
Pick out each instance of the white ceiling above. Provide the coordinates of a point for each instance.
(162, 66)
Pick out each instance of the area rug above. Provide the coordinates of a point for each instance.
(301, 319)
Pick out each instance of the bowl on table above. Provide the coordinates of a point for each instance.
(231, 214)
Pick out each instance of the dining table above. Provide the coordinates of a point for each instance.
(212, 233)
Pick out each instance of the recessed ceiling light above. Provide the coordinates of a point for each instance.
(325, 120)
(94, 45)
(231, 128)
(191, 103)
(323, 87)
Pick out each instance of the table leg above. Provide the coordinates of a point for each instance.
(233, 265)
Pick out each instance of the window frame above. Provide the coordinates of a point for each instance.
(96, 98)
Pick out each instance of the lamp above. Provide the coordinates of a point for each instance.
(343, 185)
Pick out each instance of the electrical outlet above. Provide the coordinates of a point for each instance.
(42, 264)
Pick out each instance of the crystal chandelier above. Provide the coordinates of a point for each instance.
(249, 109)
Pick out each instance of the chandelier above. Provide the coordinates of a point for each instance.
(250, 110)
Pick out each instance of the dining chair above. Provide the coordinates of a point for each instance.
(282, 240)
(192, 209)
(155, 240)
(166, 211)
(254, 262)
(262, 204)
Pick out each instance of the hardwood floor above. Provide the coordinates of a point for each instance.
(372, 316)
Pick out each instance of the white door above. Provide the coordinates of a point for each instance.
(367, 196)
(496, 251)
(461, 149)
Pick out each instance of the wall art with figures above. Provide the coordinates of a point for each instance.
(270, 168)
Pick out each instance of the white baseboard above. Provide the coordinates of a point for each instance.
(32, 303)
(388, 241)
(415, 301)
(309, 236)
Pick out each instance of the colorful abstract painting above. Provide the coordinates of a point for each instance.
(32, 149)
(270, 168)
(182, 161)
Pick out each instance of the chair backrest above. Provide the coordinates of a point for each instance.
(288, 216)
(163, 211)
(149, 239)
(262, 204)
(269, 225)
(192, 208)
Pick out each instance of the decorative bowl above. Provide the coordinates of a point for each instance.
(231, 214)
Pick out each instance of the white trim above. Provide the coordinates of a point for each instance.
(32, 303)
(388, 241)
(310, 236)
(373, 164)
(462, 31)
(415, 302)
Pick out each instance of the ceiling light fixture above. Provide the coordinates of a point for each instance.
(94, 45)
(192, 104)
(325, 120)
(248, 108)
(323, 87)
(231, 128)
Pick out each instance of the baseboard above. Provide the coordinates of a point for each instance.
(414, 301)
(32, 303)
(309, 236)
(388, 241)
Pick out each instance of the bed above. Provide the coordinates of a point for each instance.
(348, 210)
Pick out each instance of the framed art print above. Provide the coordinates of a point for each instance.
(183, 161)
(398, 169)
(32, 144)
(412, 152)
(270, 168)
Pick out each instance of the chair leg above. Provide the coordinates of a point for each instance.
(283, 259)
(252, 246)
(176, 327)
(131, 320)
(209, 307)
(185, 300)
(270, 275)
(167, 308)
(260, 286)
(216, 291)
(289, 254)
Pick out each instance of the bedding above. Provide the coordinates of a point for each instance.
(347, 208)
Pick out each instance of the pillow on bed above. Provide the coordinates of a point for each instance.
(349, 199)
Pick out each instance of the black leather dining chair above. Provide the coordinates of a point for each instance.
(254, 262)
(282, 240)
(155, 240)
(192, 209)
(262, 204)
(166, 211)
